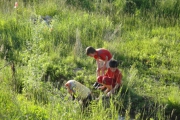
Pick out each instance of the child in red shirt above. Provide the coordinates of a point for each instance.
(102, 57)
(112, 79)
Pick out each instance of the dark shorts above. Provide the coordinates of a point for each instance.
(106, 80)
(87, 100)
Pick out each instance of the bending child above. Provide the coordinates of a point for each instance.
(79, 91)
(102, 57)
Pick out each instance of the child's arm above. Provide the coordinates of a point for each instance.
(113, 90)
(101, 87)
(107, 90)
(98, 67)
(105, 62)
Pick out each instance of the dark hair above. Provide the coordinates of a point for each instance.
(113, 63)
(90, 50)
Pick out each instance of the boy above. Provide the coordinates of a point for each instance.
(102, 57)
(112, 79)
(79, 91)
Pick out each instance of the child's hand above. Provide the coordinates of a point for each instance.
(101, 87)
(109, 94)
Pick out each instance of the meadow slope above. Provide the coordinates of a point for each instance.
(42, 45)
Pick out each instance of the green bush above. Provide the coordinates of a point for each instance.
(8, 103)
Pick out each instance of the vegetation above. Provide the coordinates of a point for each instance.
(42, 46)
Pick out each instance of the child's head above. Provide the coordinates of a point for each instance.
(69, 86)
(113, 64)
(90, 51)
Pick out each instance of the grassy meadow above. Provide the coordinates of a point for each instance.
(43, 42)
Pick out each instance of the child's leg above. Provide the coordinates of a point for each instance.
(106, 91)
(86, 101)
(107, 82)
(101, 71)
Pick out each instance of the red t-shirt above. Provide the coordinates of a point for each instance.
(102, 53)
(117, 75)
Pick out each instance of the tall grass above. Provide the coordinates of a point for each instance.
(140, 35)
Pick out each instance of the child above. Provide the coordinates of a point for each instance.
(79, 91)
(102, 57)
(112, 79)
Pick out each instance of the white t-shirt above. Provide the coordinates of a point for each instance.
(80, 90)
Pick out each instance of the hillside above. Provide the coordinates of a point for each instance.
(42, 45)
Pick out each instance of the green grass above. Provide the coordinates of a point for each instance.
(142, 36)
